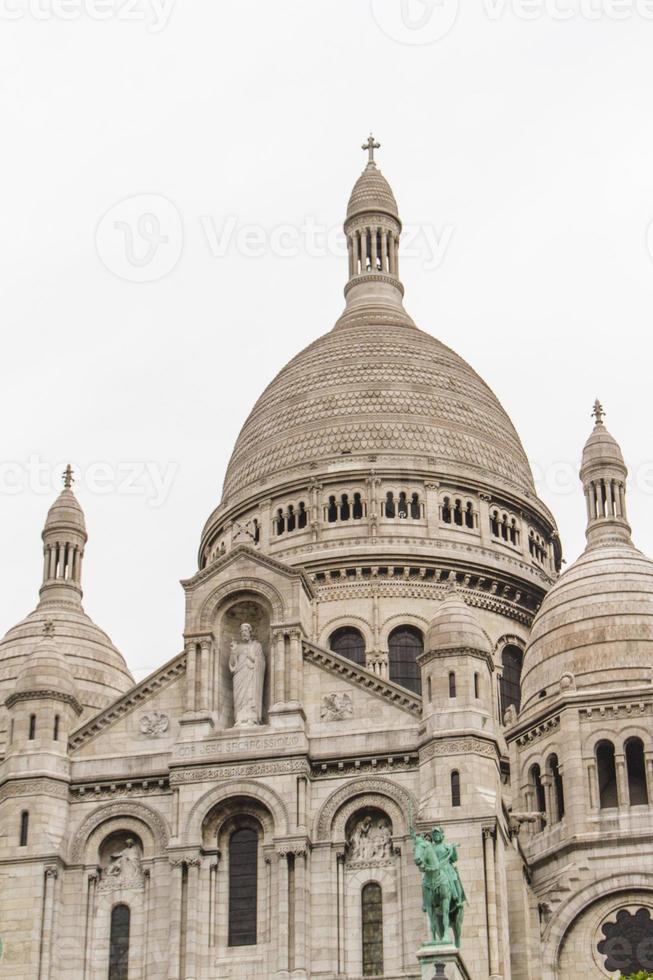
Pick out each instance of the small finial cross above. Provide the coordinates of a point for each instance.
(598, 412)
(48, 628)
(371, 145)
(68, 478)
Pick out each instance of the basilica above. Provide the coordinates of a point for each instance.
(378, 641)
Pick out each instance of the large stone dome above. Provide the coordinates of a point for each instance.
(378, 390)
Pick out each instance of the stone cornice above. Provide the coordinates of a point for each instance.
(244, 550)
(590, 705)
(49, 694)
(360, 677)
(430, 655)
(132, 699)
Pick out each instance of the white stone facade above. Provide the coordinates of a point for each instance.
(378, 487)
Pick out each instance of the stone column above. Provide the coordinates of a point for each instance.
(484, 506)
(301, 908)
(191, 666)
(489, 836)
(282, 910)
(549, 803)
(176, 871)
(593, 786)
(205, 675)
(296, 666)
(648, 763)
(213, 901)
(278, 668)
(622, 780)
(91, 887)
(192, 908)
(50, 876)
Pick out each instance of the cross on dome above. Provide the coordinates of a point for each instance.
(598, 412)
(67, 477)
(371, 145)
(48, 628)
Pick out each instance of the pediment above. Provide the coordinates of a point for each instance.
(244, 556)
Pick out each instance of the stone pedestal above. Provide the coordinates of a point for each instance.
(443, 961)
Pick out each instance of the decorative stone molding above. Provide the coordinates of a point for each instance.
(154, 821)
(357, 767)
(337, 706)
(245, 550)
(544, 728)
(459, 746)
(34, 787)
(624, 709)
(226, 590)
(199, 774)
(47, 694)
(359, 793)
(386, 690)
(247, 787)
(154, 725)
(119, 787)
(295, 846)
(136, 696)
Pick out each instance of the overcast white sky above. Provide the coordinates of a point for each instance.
(523, 148)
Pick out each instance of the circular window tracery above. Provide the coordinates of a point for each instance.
(628, 942)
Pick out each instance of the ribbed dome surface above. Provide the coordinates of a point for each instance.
(66, 511)
(389, 391)
(46, 669)
(602, 448)
(596, 623)
(455, 627)
(372, 192)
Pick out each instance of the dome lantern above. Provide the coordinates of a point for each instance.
(64, 537)
(603, 473)
(373, 227)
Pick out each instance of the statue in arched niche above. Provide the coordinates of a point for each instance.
(247, 666)
(124, 869)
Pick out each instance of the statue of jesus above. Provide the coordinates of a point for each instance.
(247, 666)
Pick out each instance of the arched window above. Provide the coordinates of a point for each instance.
(636, 767)
(279, 523)
(344, 508)
(243, 862)
(469, 515)
(455, 788)
(357, 510)
(494, 523)
(458, 513)
(446, 511)
(403, 505)
(477, 686)
(607, 774)
(558, 789)
(404, 647)
(389, 504)
(24, 828)
(511, 659)
(430, 689)
(452, 684)
(332, 512)
(302, 517)
(32, 727)
(372, 931)
(415, 509)
(292, 520)
(349, 643)
(55, 731)
(119, 943)
(536, 782)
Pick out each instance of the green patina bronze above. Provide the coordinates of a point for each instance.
(443, 896)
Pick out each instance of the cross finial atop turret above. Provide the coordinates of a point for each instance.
(371, 145)
(48, 628)
(67, 477)
(598, 412)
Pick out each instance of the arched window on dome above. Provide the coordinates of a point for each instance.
(402, 510)
(291, 520)
(302, 516)
(415, 507)
(32, 728)
(470, 519)
(119, 942)
(446, 510)
(279, 522)
(607, 775)
(458, 512)
(477, 685)
(510, 685)
(455, 788)
(389, 508)
(357, 509)
(405, 644)
(24, 829)
(348, 642)
(243, 881)
(332, 511)
(345, 510)
(553, 768)
(372, 929)
(538, 788)
(636, 769)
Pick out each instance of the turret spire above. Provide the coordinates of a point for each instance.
(604, 472)
(374, 291)
(64, 537)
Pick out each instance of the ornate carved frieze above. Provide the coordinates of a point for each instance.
(458, 746)
(369, 844)
(124, 787)
(379, 765)
(34, 787)
(45, 693)
(624, 709)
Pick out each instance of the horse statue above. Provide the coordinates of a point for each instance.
(443, 896)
